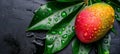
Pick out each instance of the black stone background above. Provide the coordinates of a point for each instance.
(15, 16)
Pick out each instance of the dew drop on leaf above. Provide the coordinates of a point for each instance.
(59, 32)
(50, 46)
(90, 37)
(73, 27)
(63, 41)
(63, 14)
(53, 32)
(64, 36)
(118, 9)
(106, 52)
(116, 16)
(63, 29)
(105, 41)
(49, 10)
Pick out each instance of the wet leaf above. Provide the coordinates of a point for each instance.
(51, 13)
(117, 13)
(80, 48)
(104, 45)
(60, 35)
(114, 31)
(116, 2)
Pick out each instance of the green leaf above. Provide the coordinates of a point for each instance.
(60, 35)
(80, 48)
(68, 0)
(104, 45)
(114, 31)
(116, 2)
(117, 13)
(50, 14)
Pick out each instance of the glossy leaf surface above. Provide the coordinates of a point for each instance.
(61, 34)
(51, 13)
(104, 45)
(80, 48)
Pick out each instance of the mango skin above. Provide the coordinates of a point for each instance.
(93, 22)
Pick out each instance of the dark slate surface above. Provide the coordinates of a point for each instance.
(15, 16)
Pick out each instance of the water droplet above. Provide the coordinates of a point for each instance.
(111, 26)
(55, 19)
(63, 41)
(105, 41)
(63, 29)
(78, 20)
(59, 32)
(106, 52)
(95, 32)
(116, 16)
(99, 30)
(95, 28)
(85, 34)
(50, 46)
(90, 37)
(64, 36)
(53, 32)
(73, 27)
(63, 14)
(118, 9)
(49, 10)
(49, 19)
(86, 24)
(103, 27)
(113, 20)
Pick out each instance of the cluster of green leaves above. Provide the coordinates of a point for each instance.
(58, 18)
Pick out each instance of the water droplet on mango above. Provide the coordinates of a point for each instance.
(85, 34)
